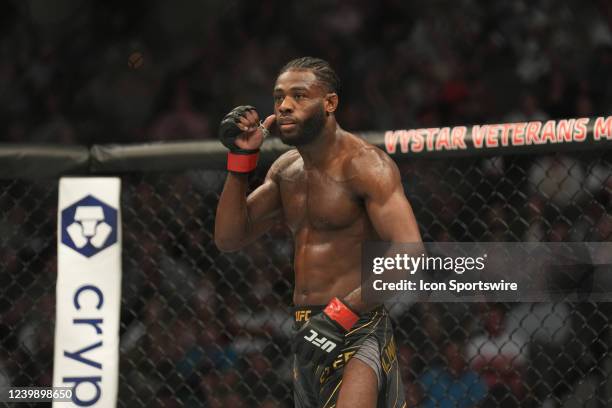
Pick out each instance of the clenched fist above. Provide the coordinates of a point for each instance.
(242, 132)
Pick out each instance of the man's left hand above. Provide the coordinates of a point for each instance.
(320, 340)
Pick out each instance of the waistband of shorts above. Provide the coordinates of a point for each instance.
(302, 313)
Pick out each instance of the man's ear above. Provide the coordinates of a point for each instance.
(331, 102)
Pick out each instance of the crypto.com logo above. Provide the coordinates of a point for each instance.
(89, 226)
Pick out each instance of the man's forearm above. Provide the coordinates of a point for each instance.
(355, 302)
(231, 221)
(354, 298)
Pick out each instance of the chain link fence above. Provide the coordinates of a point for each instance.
(204, 329)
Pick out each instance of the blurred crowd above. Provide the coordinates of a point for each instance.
(64, 74)
(204, 329)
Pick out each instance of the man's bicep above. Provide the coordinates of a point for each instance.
(263, 208)
(264, 205)
(264, 202)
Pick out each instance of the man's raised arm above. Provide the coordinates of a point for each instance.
(240, 220)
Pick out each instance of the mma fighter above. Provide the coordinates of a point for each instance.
(334, 191)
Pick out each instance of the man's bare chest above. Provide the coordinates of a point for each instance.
(318, 200)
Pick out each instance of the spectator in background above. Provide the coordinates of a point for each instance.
(452, 384)
(181, 121)
(414, 393)
(499, 355)
(56, 129)
(529, 109)
(558, 179)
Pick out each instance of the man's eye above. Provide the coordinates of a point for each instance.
(298, 97)
(278, 98)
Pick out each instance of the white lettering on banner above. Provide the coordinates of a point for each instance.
(88, 292)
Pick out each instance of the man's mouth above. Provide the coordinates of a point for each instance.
(286, 123)
(287, 126)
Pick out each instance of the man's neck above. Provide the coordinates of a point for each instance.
(322, 149)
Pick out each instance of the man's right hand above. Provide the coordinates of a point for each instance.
(240, 130)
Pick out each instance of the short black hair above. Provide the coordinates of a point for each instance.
(321, 68)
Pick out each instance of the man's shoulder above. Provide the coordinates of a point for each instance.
(366, 160)
(284, 161)
(370, 171)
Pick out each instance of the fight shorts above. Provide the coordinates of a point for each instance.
(371, 341)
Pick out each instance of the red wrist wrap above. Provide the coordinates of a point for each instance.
(242, 163)
(339, 312)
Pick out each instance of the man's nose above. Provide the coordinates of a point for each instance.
(286, 106)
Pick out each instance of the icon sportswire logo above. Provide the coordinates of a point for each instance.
(321, 342)
(89, 226)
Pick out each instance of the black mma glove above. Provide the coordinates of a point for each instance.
(238, 160)
(320, 340)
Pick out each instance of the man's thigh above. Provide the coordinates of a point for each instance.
(359, 386)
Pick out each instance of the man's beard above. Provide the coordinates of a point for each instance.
(307, 131)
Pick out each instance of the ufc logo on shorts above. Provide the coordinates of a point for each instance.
(322, 342)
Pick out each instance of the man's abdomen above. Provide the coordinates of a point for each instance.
(327, 264)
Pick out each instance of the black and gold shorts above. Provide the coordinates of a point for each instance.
(371, 341)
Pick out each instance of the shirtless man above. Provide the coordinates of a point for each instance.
(334, 191)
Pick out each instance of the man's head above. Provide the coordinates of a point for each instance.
(305, 99)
